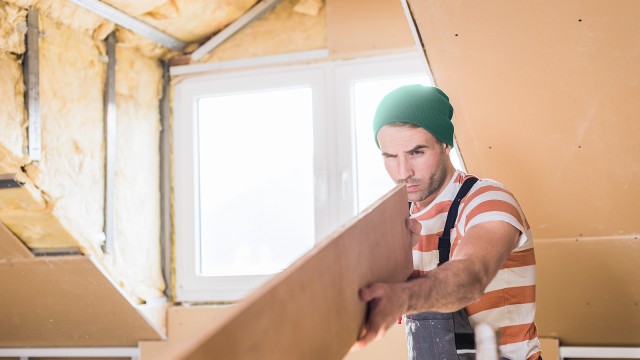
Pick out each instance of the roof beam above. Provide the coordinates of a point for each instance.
(126, 21)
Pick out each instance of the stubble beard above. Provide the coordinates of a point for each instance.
(436, 180)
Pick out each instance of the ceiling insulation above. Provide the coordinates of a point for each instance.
(192, 21)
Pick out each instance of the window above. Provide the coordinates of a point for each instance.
(256, 186)
(267, 162)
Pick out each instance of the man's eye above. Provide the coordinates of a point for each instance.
(414, 153)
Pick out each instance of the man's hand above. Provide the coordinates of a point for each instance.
(386, 303)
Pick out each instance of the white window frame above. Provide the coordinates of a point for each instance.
(334, 186)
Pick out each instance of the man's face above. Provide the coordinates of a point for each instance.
(414, 157)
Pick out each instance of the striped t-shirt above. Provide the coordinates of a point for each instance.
(508, 303)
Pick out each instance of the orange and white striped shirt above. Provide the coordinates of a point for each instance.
(508, 303)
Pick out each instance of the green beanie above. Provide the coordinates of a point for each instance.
(425, 106)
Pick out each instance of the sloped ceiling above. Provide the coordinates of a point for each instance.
(190, 21)
(546, 98)
(546, 101)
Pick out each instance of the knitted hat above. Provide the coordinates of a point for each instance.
(425, 106)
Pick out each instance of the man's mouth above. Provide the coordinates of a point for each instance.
(412, 187)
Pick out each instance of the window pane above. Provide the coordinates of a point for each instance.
(256, 181)
(372, 179)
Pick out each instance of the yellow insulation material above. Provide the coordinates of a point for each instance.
(281, 30)
(136, 260)
(71, 172)
(13, 26)
(62, 201)
(12, 117)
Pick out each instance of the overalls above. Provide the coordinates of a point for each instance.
(442, 336)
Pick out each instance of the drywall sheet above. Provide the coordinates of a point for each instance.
(65, 302)
(11, 247)
(312, 310)
(546, 101)
(367, 26)
(588, 292)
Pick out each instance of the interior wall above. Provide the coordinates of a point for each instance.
(545, 99)
(61, 203)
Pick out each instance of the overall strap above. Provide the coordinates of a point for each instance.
(444, 242)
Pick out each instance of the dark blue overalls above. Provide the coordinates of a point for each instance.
(443, 336)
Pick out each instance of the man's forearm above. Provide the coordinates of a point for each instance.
(448, 288)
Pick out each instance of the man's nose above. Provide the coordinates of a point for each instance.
(405, 172)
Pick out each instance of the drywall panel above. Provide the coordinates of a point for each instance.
(312, 310)
(546, 101)
(366, 26)
(65, 302)
(11, 247)
(588, 292)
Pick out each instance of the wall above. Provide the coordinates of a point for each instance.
(545, 99)
(61, 204)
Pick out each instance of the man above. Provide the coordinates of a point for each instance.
(483, 273)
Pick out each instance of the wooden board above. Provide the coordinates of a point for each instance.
(11, 247)
(312, 310)
(66, 302)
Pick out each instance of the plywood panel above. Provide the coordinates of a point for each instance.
(312, 309)
(588, 292)
(11, 247)
(546, 101)
(65, 302)
(366, 26)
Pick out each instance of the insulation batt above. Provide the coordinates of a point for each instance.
(282, 30)
(13, 26)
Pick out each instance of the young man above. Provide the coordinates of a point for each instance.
(480, 271)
